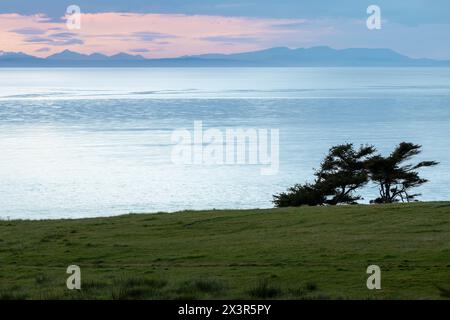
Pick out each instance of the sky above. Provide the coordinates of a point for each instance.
(172, 28)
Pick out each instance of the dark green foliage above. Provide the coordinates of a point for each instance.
(342, 172)
(300, 195)
(311, 286)
(346, 169)
(264, 290)
(394, 177)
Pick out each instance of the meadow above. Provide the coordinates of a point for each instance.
(287, 253)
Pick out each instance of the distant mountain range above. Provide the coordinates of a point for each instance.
(274, 57)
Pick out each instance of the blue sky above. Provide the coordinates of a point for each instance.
(417, 28)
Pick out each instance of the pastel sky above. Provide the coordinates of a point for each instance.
(170, 28)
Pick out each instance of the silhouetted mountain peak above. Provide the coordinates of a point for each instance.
(98, 56)
(321, 56)
(67, 55)
(14, 55)
(126, 56)
(75, 56)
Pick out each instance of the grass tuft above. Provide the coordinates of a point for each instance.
(264, 290)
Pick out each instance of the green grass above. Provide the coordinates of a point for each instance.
(291, 253)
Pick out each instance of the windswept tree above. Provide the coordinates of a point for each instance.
(394, 176)
(342, 172)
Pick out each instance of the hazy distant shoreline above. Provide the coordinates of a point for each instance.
(273, 57)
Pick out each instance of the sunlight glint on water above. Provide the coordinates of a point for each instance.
(96, 142)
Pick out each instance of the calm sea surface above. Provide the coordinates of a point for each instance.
(97, 142)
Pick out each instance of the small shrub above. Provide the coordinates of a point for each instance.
(300, 195)
(264, 290)
(297, 292)
(311, 286)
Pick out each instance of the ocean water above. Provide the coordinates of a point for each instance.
(97, 142)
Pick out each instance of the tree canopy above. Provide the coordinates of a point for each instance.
(394, 176)
(342, 172)
(346, 169)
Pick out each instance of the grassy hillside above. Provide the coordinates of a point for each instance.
(292, 253)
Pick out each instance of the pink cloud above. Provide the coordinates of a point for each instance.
(162, 35)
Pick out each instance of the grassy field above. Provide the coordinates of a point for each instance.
(292, 253)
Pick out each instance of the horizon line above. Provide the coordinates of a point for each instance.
(218, 53)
